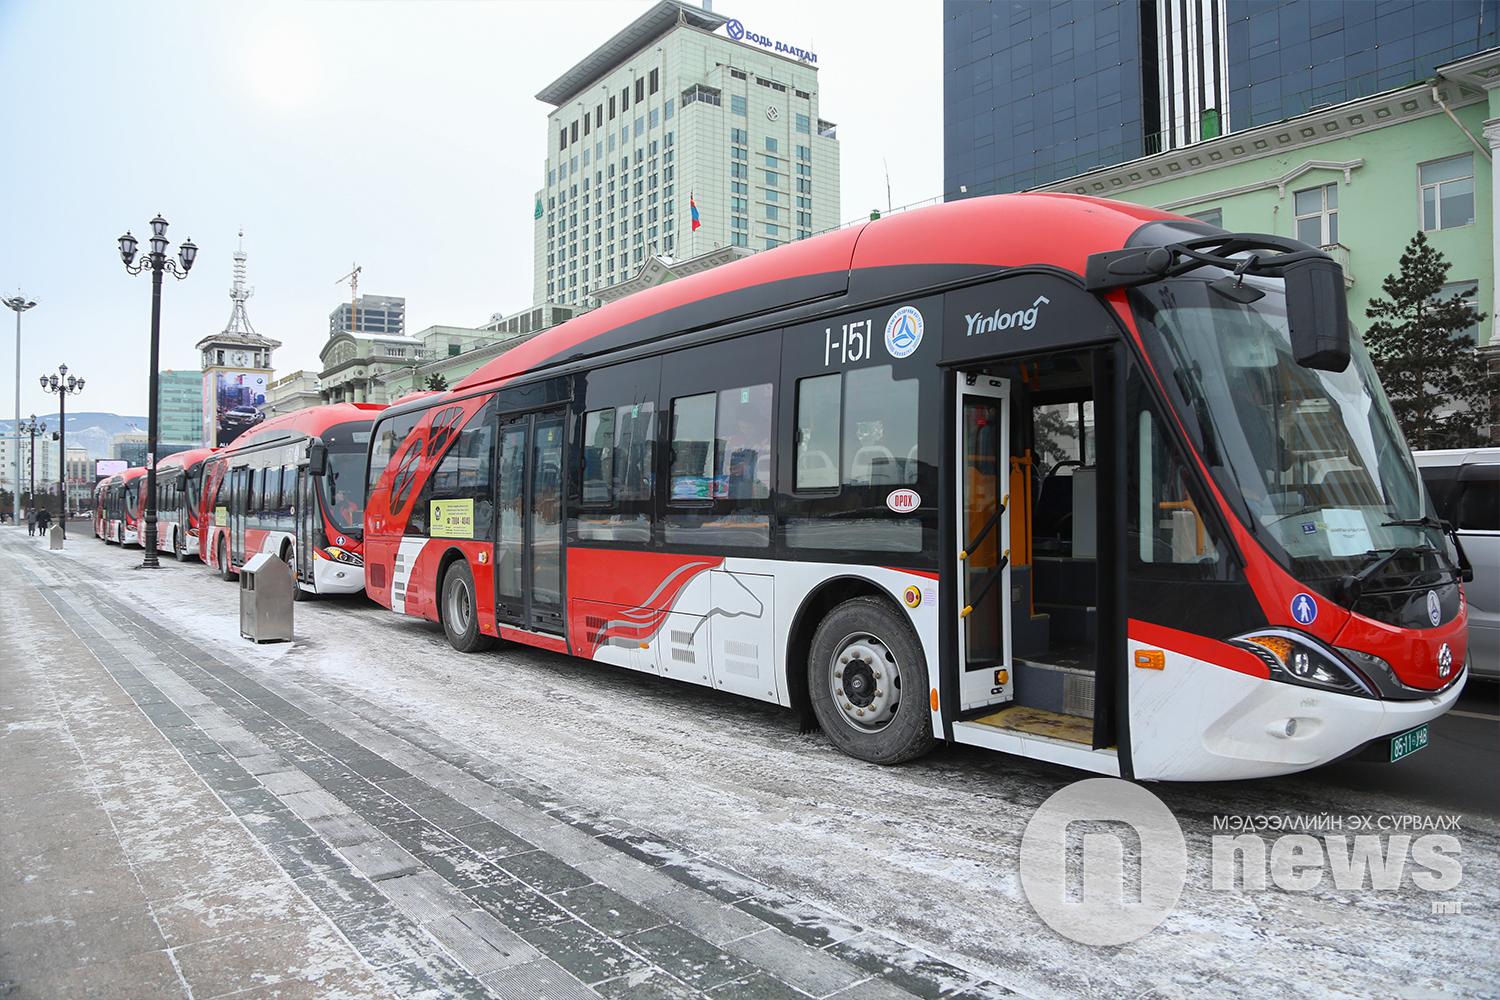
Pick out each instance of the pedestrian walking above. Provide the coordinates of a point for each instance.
(43, 521)
(30, 522)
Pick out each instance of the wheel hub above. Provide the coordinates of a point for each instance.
(866, 682)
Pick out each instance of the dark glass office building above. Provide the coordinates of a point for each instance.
(1037, 91)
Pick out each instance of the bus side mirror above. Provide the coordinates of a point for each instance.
(1317, 313)
(317, 460)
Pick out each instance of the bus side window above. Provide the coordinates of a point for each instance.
(880, 428)
(464, 474)
(598, 456)
(742, 461)
(634, 452)
(289, 488)
(273, 490)
(691, 477)
(818, 402)
(1167, 522)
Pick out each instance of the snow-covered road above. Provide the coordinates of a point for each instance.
(928, 852)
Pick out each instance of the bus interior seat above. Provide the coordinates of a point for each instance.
(911, 464)
(815, 469)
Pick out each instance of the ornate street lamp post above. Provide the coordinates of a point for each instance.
(33, 428)
(20, 304)
(158, 261)
(63, 385)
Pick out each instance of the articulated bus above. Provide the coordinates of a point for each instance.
(1070, 479)
(118, 506)
(179, 495)
(292, 486)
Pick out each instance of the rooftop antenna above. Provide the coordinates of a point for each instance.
(239, 320)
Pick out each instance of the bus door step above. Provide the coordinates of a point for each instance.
(1038, 722)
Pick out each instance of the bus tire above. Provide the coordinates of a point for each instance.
(179, 551)
(867, 678)
(221, 561)
(460, 610)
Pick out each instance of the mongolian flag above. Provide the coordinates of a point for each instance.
(693, 205)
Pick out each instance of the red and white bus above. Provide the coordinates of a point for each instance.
(179, 498)
(118, 505)
(1071, 479)
(292, 486)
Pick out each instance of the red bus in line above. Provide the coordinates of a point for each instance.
(293, 486)
(118, 506)
(1066, 478)
(179, 495)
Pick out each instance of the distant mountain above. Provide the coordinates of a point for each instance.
(94, 431)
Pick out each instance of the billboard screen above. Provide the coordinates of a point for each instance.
(232, 404)
(106, 467)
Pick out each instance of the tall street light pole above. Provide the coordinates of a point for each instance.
(158, 261)
(33, 428)
(62, 385)
(20, 304)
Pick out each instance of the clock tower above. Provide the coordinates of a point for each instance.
(236, 369)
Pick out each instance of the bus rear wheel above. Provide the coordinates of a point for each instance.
(221, 562)
(460, 610)
(868, 682)
(179, 551)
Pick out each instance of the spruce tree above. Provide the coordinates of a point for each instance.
(1438, 386)
(437, 381)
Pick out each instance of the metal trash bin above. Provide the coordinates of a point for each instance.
(55, 537)
(266, 585)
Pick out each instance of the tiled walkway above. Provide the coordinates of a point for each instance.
(179, 819)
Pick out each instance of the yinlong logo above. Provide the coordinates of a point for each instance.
(1103, 861)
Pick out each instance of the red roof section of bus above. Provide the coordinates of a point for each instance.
(1007, 230)
(312, 421)
(185, 459)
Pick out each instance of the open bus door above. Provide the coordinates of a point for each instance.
(984, 645)
(528, 545)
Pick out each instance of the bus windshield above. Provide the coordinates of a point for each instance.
(342, 490)
(1312, 460)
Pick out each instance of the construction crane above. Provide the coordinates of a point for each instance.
(353, 278)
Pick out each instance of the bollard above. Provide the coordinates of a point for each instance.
(56, 536)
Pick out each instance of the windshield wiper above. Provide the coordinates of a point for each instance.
(1351, 587)
(1425, 521)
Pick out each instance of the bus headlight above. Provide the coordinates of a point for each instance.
(344, 556)
(1296, 659)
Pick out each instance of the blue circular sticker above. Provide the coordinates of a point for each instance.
(903, 332)
(1304, 609)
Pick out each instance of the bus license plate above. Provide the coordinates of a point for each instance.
(1409, 742)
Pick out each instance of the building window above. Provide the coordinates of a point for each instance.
(737, 104)
(772, 244)
(655, 79)
(739, 239)
(804, 124)
(707, 95)
(611, 109)
(640, 91)
(739, 136)
(1448, 193)
(1469, 292)
(772, 230)
(625, 99)
(770, 145)
(668, 110)
(1318, 215)
(771, 179)
(739, 170)
(1214, 217)
(738, 74)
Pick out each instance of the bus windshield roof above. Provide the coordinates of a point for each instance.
(1312, 460)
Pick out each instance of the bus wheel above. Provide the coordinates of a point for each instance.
(221, 562)
(868, 681)
(179, 551)
(461, 612)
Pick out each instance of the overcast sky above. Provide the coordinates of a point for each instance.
(402, 136)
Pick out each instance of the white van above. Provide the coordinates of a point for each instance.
(1464, 484)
